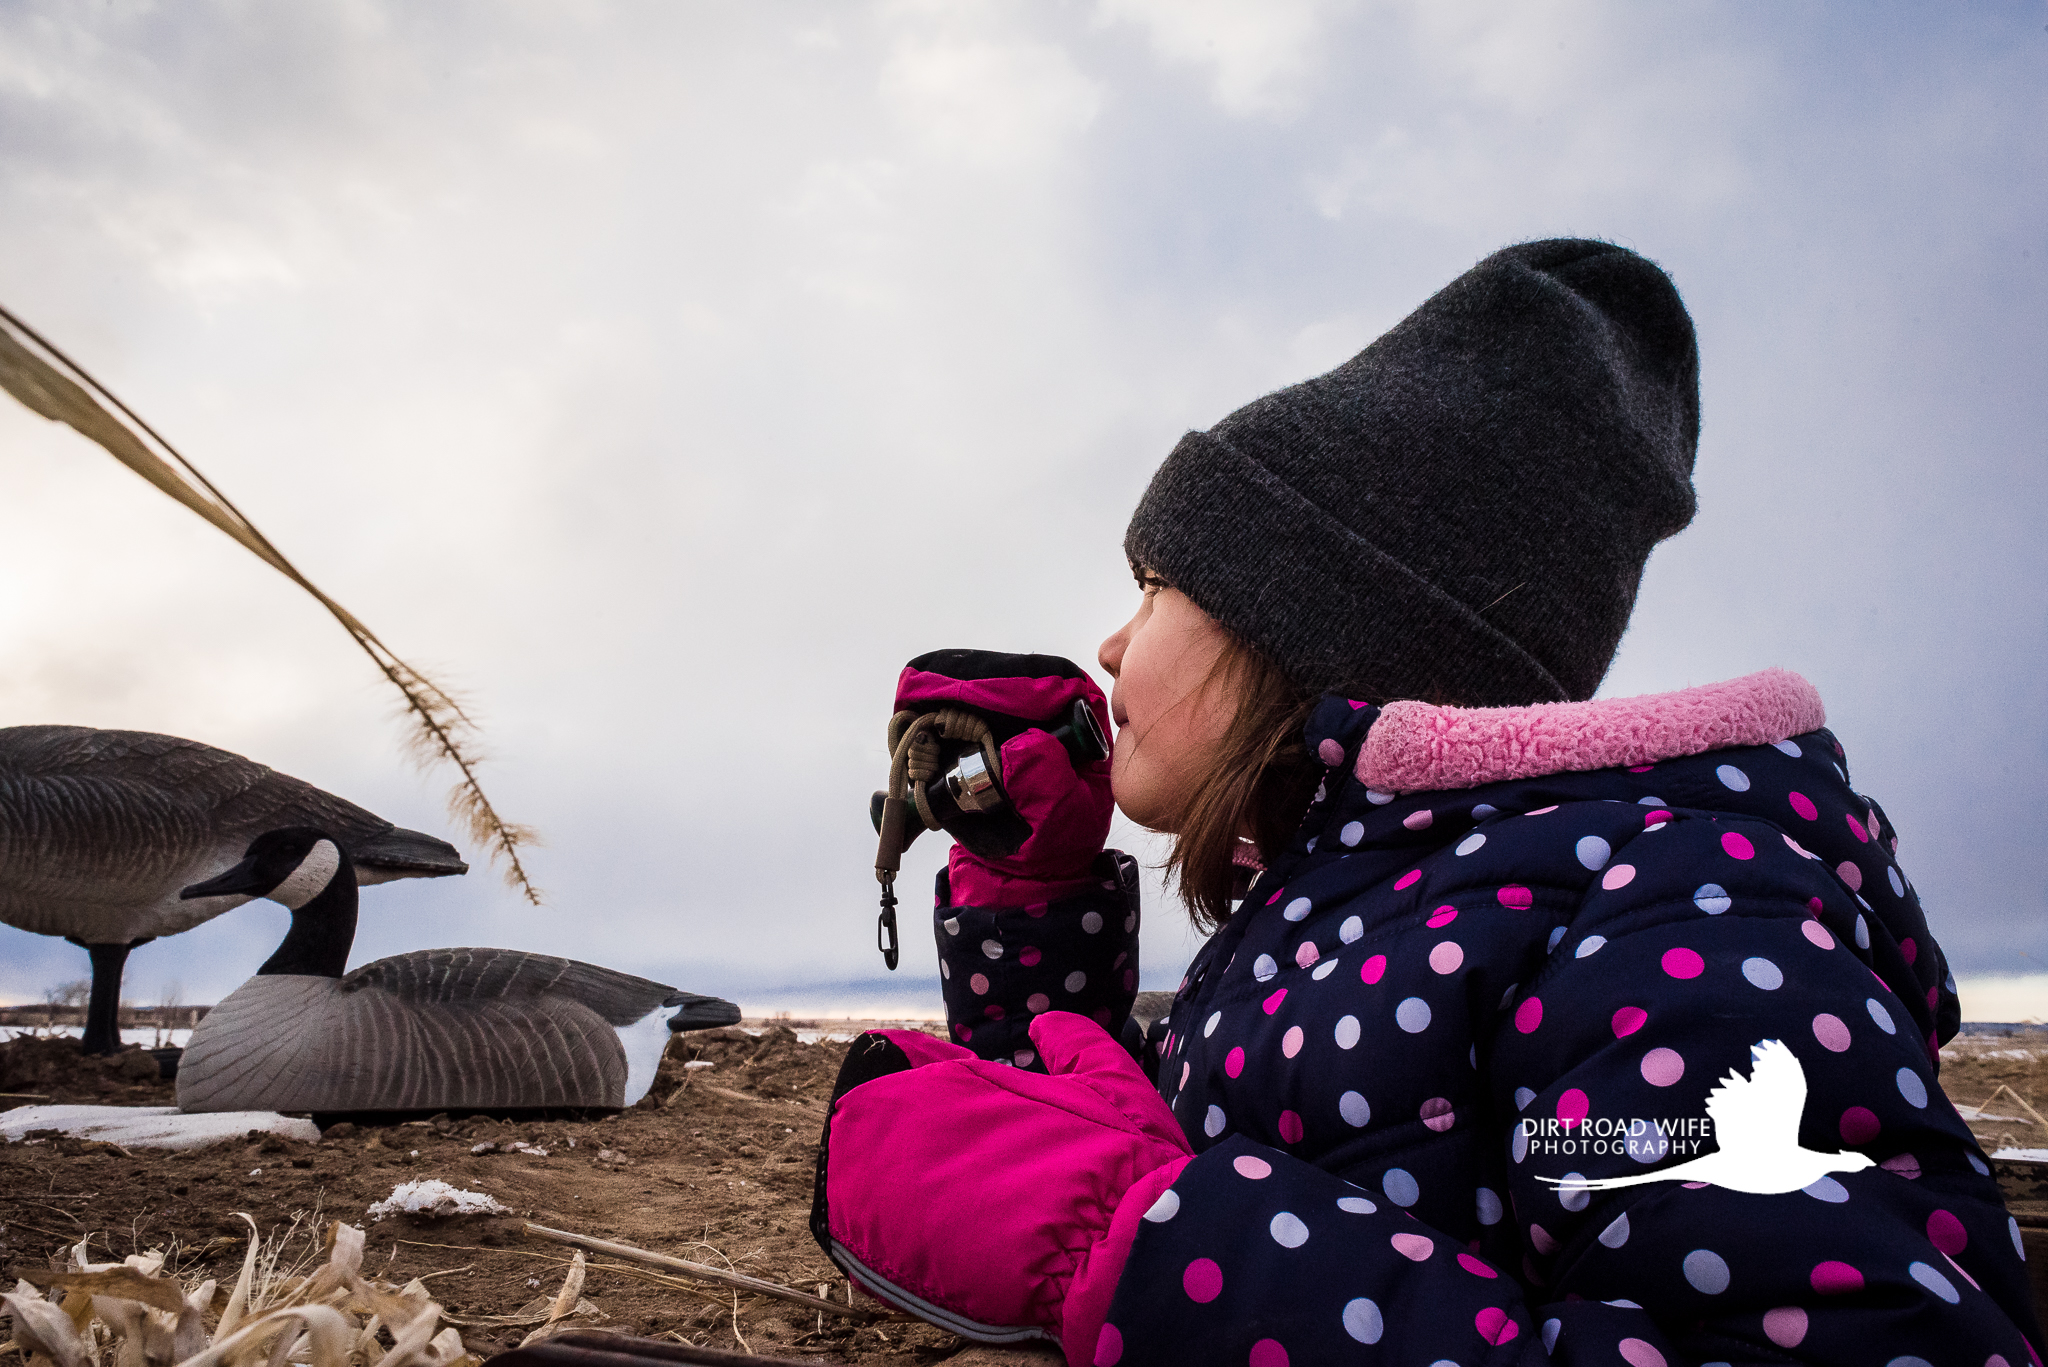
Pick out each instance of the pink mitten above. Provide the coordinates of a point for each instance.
(995, 1202)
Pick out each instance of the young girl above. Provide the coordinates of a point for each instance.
(1601, 1030)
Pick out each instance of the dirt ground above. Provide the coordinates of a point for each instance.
(716, 1167)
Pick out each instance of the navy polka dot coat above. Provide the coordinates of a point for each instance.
(1432, 1003)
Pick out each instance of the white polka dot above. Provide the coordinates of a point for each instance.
(1471, 843)
(1130, 920)
(1556, 936)
(1297, 910)
(1589, 946)
(1935, 1282)
(945, 969)
(1209, 1025)
(1707, 1271)
(1551, 1329)
(1378, 798)
(1912, 1088)
(1355, 1110)
(1908, 1360)
(1898, 884)
(1488, 1201)
(1264, 969)
(1347, 1031)
(1572, 1192)
(952, 925)
(1446, 957)
(1786, 747)
(1483, 811)
(1324, 969)
(1712, 898)
(1649, 802)
(1362, 1320)
(1826, 1189)
(992, 948)
(1763, 973)
(1213, 1122)
(1355, 1205)
(1862, 933)
(1092, 922)
(1732, 777)
(1518, 1146)
(1287, 1230)
(1165, 1208)
(1594, 852)
(1616, 1234)
(1977, 1163)
(1881, 1017)
(2019, 1245)
(1290, 1043)
(1523, 1096)
(1412, 1015)
(1075, 981)
(1353, 832)
(1400, 1187)
(1351, 931)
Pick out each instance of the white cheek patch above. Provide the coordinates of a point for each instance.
(310, 878)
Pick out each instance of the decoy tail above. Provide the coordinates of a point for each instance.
(404, 853)
(700, 1013)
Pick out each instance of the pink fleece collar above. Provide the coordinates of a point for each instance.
(1416, 747)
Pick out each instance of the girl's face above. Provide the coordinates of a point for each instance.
(1167, 722)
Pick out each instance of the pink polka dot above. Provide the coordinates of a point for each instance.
(1662, 1067)
(1835, 1279)
(1541, 811)
(1252, 1166)
(1414, 1247)
(1290, 1127)
(1904, 1164)
(1785, 1326)
(965, 1033)
(1109, 1346)
(1818, 933)
(1268, 1353)
(1858, 1126)
(1407, 879)
(1277, 894)
(1683, 963)
(1290, 1043)
(1233, 1062)
(1540, 1240)
(1030, 957)
(1306, 954)
(1946, 1233)
(1573, 1107)
(1856, 828)
(1832, 1034)
(1037, 1001)
(1656, 818)
(1438, 1115)
(1813, 906)
(1417, 821)
(1329, 752)
(992, 1011)
(1130, 980)
(1442, 917)
(1529, 1015)
(1850, 874)
(978, 984)
(1637, 1353)
(1737, 845)
(1516, 899)
(1803, 805)
(1619, 876)
(1797, 848)
(1909, 950)
(1640, 768)
(1494, 1325)
(1037, 910)
(1272, 1003)
(1628, 1020)
(1446, 957)
(1203, 1281)
(1373, 969)
(1476, 1266)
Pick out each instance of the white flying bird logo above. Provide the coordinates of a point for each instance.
(1756, 1126)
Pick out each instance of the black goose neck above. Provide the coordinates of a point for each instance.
(323, 931)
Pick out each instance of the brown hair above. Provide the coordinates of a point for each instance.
(1257, 783)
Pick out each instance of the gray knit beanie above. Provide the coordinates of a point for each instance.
(1461, 512)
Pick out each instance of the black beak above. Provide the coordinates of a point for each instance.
(242, 878)
(700, 1013)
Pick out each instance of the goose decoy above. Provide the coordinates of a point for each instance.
(433, 1030)
(99, 830)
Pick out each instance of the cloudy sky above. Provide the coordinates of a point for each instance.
(667, 374)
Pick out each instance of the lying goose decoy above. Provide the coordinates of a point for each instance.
(434, 1030)
(99, 830)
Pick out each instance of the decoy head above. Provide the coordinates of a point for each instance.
(292, 866)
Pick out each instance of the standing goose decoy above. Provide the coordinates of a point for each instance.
(99, 830)
(433, 1030)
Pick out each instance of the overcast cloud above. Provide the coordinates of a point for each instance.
(668, 374)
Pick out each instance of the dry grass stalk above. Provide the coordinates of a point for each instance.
(128, 1314)
(57, 388)
(737, 1281)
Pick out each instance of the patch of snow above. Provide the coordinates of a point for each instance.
(2024, 1155)
(151, 1127)
(432, 1196)
(694, 1064)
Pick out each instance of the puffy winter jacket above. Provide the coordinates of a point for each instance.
(1530, 944)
